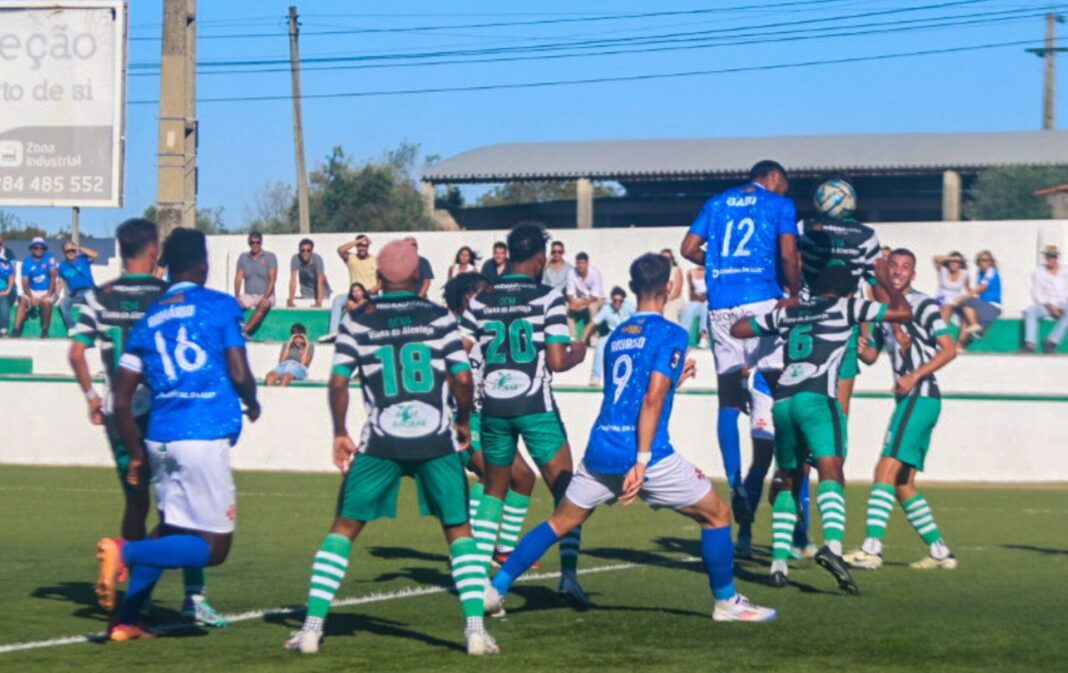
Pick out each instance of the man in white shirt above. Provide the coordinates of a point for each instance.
(1049, 289)
(585, 293)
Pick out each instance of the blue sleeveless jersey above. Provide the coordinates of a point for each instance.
(742, 228)
(643, 344)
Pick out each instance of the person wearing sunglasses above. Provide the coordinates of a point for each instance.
(76, 276)
(254, 280)
(38, 288)
(309, 273)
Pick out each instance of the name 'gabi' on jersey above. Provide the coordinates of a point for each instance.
(642, 345)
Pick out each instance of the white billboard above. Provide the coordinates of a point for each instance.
(62, 103)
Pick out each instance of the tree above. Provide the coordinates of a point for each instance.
(1007, 193)
(449, 198)
(274, 210)
(209, 220)
(375, 195)
(512, 193)
(14, 228)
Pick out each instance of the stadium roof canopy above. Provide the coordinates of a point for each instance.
(704, 158)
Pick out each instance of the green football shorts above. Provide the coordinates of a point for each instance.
(476, 440)
(371, 486)
(808, 426)
(909, 434)
(850, 361)
(542, 433)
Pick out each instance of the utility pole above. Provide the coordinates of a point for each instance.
(1049, 54)
(298, 125)
(75, 225)
(176, 186)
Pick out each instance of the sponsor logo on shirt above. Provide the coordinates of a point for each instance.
(506, 384)
(410, 419)
(797, 372)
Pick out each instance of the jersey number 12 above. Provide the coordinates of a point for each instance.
(745, 227)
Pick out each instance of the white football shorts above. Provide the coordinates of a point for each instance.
(673, 483)
(193, 483)
(733, 354)
(761, 423)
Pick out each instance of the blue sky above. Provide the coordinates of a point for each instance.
(245, 145)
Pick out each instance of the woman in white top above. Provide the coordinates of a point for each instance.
(465, 262)
(954, 283)
(673, 308)
(696, 310)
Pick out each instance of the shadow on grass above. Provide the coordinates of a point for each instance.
(83, 595)
(421, 576)
(406, 553)
(539, 598)
(1045, 551)
(351, 624)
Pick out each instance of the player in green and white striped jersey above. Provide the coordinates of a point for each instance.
(917, 350)
(809, 424)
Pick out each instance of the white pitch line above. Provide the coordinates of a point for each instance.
(410, 592)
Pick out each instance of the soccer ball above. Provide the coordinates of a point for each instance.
(835, 198)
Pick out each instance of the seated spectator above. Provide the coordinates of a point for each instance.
(356, 297)
(673, 307)
(7, 292)
(254, 281)
(1049, 289)
(38, 288)
(953, 282)
(609, 317)
(498, 266)
(309, 273)
(981, 305)
(362, 265)
(585, 293)
(466, 261)
(294, 360)
(426, 272)
(694, 317)
(77, 279)
(558, 268)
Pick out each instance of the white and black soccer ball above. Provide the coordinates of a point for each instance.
(835, 198)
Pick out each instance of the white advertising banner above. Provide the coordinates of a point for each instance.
(62, 102)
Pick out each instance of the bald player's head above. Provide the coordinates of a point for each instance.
(398, 266)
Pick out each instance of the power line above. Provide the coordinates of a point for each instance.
(617, 78)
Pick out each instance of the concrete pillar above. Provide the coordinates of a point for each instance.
(951, 196)
(584, 198)
(426, 190)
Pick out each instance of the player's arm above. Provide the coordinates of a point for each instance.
(561, 353)
(242, 380)
(648, 420)
(76, 358)
(790, 261)
(127, 378)
(755, 326)
(693, 248)
(869, 347)
(462, 387)
(345, 363)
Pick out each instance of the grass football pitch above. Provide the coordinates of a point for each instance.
(1004, 609)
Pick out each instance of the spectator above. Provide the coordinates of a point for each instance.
(10, 290)
(294, 359)
(38, 287)
(356, 297)
(363, 267)
(585, 293)
(609, 317)
(885, 252)
(254, 281)
(953, 282)
(673, 307)
(426, 272)
(77, 277)
(1049, 289)
(558, 268)
(694, 316)
(307, 269)
(981, 306)
(465, 262)
(499, 265)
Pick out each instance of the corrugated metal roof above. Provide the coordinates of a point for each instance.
(709, 157)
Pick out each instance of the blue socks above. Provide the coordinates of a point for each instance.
(801, 531)
(531, 548)
(730, 444)
(171, 551)
(143, 579)
(717, 552)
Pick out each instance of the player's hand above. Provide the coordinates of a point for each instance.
(882, 271)
(253, 411)
(787, 302)
(96, 413)
(632, 484)
(134, 472)
(344, 452)
(689, 370)
(463, 435)
(904, 384)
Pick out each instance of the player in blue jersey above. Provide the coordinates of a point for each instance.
(189, 350)
(629, 454)
(746, 238)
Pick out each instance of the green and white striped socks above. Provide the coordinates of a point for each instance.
(783, 522)
(484, 527)
(474, 498)
(920, 516)
(880, 506)
(515, 511)
(469, 577)
(328, 571)
(831, 501)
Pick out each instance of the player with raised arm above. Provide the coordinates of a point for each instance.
(746, 238)
(809, 424)
(411, 361)
(520, 326)
(630, 455)
(918, 349)
(189, 350)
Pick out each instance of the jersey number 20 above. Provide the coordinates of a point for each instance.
(520, 338)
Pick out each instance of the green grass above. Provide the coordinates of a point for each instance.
(1003, 609)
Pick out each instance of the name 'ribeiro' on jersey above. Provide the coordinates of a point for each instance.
(741, 228)
(917, 343)
(404, 347)
(817, 333)
(643, 344)
(844, 241)
(511, 323)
